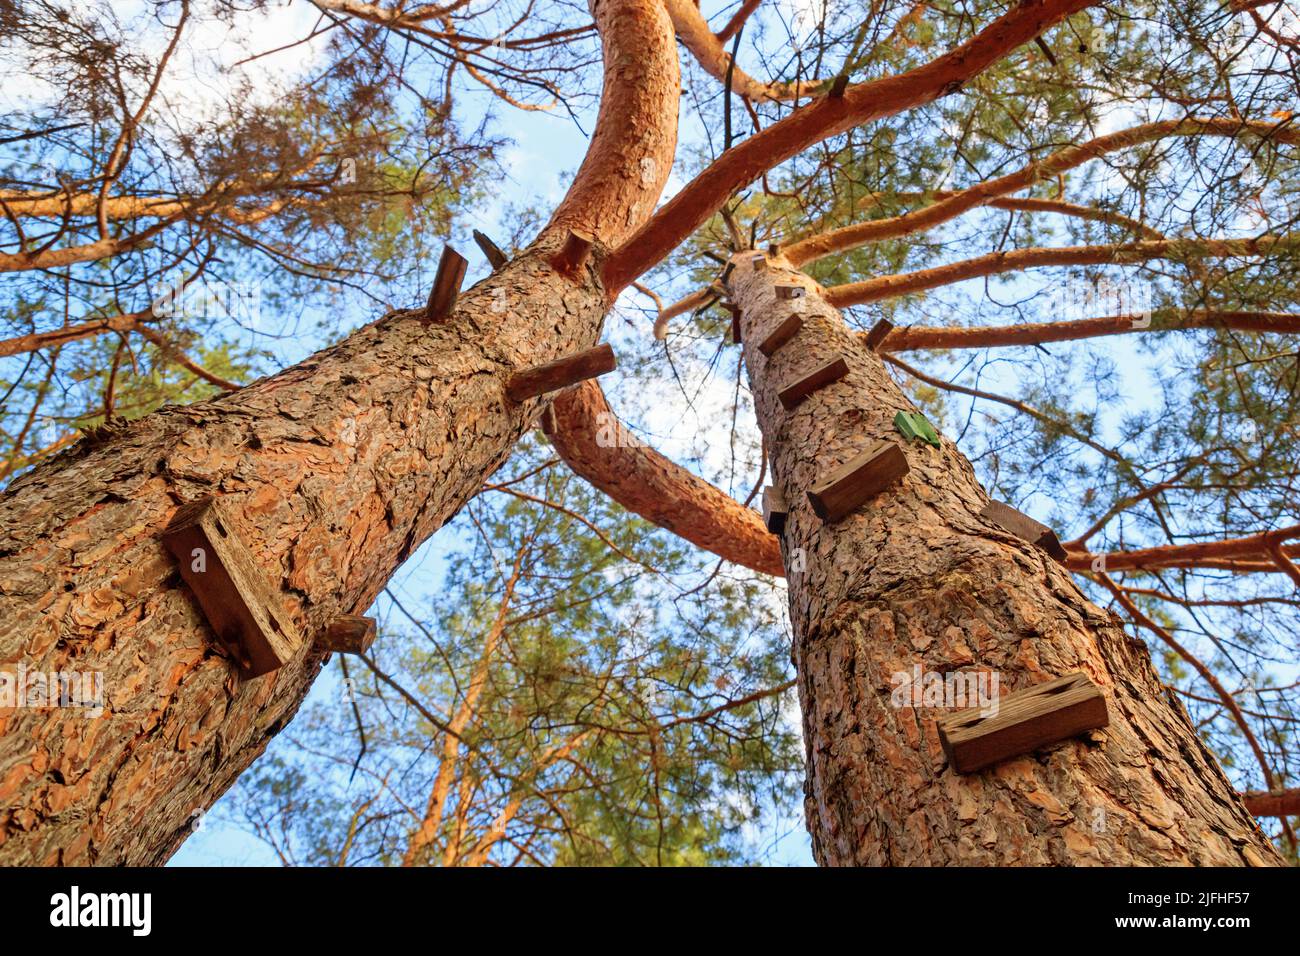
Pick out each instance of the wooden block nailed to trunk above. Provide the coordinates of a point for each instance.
(879, 332)
(734, 309)
(237, 597)
(794, 393)
(569, 370)
(495, 257)
(1024, 721)
(1024, 527)
(849, 486)
(446, 285)
(758, 261)
(781, 334)
(774, 509)
(348, 634)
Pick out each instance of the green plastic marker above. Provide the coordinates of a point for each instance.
(914, 426)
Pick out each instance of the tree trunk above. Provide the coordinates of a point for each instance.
(338, 468)
(916, 576)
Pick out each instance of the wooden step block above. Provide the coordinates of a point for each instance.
(758, 262)
(239, 600)
(735, 319)
(878, 334)
(791, 292)
(818, 378)
(781, 334)
(774, 509)
(495, 257)
(1024, 527)
(569, 370)
(852, 484)
(348, 634)
(1026, 720)
(446, 285)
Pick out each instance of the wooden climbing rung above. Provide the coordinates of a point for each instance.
(774, 509)
(781, 334)
(758, 261)
(446, 285)
(734, 309)
(569, 370)
(1024, 721)
(238, 599)
(878, 333)
(790, 292)
(794, 393)
(1024, 527)
(348, 634)
(850, 486)
(491, 251)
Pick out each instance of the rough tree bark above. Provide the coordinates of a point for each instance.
(916, 576)
(339, 468)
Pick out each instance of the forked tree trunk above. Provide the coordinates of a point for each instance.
(916, 576)
(337, 469)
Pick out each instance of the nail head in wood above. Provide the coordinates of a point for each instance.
(573, 254)
(348, 634)
(1024, 527)
(446, 285)
(879, 332)
(491, 251)
(783, 333)
(791, 292)
(1023, 722)
(861, 478)
(237, 597)
(793, 394)
(569, 370)
(774, 509)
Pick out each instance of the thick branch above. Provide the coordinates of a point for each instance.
(601, 449)
(825, 117)
(707, 48)
(996, 263)
(954, 204)
(1037, 333)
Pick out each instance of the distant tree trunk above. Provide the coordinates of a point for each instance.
(916, 576)
(338, 467)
